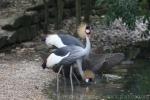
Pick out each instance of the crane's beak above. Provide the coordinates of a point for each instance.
(44, 65)
(43, 37)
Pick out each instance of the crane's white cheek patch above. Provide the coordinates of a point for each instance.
(87, 31)
(54, 59)
(86, 80)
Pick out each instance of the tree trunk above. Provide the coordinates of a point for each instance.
(87, 11)
(46, 17)
(78, 11)
(59, 14)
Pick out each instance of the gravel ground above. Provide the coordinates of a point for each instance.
(21, 75)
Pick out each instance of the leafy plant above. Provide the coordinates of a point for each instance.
(127, 10)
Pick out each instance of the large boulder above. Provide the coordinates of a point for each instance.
(3, 41)
(18, 28)
(18, 21)
(98, 62)
(24, 34)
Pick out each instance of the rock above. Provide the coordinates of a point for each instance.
(3, 41)
(127, 62)
(133, 52)
(113, 59)
(120, 71)
(111, 77)
(2, 54)
(4, 4)
(28, 44)
(20, 35)
(95, 62)
(98, 62)
(4, 36)
(30, 18)
(24, 34)
(8, 20)
(18, 28)
(14, 22)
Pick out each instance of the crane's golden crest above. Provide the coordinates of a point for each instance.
(81, 30)
(89, 74)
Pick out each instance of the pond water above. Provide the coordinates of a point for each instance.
(134, 85)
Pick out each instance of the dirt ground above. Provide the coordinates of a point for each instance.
(21, 75)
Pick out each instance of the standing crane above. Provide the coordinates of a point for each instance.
(62, 39)
(69, 54)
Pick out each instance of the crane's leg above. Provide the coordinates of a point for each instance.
(76, 78)
(75, 75)
(63, 72)
(71, 78)
(79, 65)
(58, 77)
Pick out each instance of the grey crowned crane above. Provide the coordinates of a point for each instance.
(70, 54)
(62, 40)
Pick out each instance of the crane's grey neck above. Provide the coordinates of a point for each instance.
(88, 46)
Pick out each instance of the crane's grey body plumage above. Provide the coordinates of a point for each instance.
(70, 40)
(76, 52)
(61, 40)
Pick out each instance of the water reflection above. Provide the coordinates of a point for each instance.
(135, 84)
(95, 90)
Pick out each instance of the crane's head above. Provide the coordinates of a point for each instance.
(84, 30)
(54, 58)
(44, 65)
(50, 61)
(89, 76)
